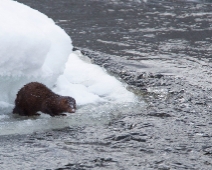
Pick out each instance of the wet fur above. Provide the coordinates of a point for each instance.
(34, 97)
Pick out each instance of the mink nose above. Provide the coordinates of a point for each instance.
(71, 110)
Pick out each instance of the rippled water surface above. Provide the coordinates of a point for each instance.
(172, 37)
(162, 49)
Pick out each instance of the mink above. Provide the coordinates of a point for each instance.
(35, 96)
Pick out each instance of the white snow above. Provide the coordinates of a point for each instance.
(33, 48)
(89, 83)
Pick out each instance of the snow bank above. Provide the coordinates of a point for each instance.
(89, 83)
(32, 48)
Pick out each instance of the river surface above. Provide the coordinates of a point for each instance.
(162, 50)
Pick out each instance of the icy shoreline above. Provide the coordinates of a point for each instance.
(39, 50)
(33, 48)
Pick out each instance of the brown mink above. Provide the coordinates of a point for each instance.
(34, 97)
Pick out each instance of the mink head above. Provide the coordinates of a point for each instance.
(68, 104)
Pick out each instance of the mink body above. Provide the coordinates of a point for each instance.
(34, 97)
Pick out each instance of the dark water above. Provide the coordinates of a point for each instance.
(162, 49)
